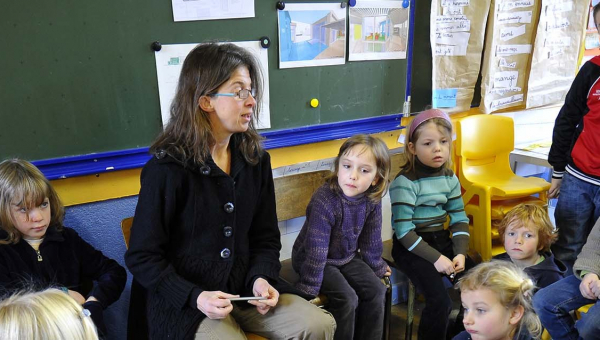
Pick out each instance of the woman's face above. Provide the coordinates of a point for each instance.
(230, 114)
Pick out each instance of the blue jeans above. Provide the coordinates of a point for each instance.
(553, 304)
(356, 299)
(577, 210)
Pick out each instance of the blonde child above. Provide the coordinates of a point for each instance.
(37, 250)
(338, 250)
(496, 297)
(423, 195)
(527, 234)
(49, 314)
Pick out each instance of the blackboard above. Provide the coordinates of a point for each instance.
(79, 77)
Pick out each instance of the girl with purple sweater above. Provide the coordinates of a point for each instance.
(338, 250)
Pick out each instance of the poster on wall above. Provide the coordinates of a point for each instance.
(592, 38)
(457, 32)
(188, 10)
(509, 46)
(169, 61)
(378, 30)
(312, 34)
(556, 50)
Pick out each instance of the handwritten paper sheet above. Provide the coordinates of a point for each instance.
(186, 10)
(456, 37)
(510, 41)
(556, 50)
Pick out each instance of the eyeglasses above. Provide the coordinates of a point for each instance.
(241, 94)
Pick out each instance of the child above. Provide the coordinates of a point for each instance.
(49, 314)
(496, 297)
(338, 250)
(527, 234)
(35, 248)
(423, 195)
(575, 161)
(554, 303)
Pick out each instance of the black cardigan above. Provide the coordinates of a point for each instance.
(67, 260)
(197, 228)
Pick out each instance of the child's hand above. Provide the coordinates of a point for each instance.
(214, 304)
(589, 286)
(77, 297)
(459, 263)
(262, 288)
(388, 271)
(554, 190)
(444, 265)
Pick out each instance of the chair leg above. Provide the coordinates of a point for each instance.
(410, 310)
(388, 309)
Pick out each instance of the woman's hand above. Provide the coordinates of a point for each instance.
(444, 265)
(215, 304)
(262, 288)
(77, 297)
(554, 190)
(589, 286)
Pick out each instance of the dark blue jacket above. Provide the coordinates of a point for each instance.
(544, 273)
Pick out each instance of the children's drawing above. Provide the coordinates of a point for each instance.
(312, 35)
(378, 30)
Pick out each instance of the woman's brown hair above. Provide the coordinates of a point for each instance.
(24, 185)
(188, 135)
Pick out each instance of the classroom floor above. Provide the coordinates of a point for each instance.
(398, 318)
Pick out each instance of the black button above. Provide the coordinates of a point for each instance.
(205, 170)
(225, 253)
(160, 154)
(228, 207)
(227, 231)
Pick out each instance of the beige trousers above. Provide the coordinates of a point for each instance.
(292, 318)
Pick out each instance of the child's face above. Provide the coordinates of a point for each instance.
(32, 223)
(357, 171)
(433, 147)
(485, 317)
(521, 244)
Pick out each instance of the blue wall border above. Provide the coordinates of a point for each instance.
(97, 163)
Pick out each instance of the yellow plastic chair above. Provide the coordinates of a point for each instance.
(483, 145)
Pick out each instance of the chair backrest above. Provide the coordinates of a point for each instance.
(126, 229)
(483, 144)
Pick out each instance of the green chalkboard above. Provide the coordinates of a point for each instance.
(79, 77)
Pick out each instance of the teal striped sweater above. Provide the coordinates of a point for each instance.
(421, 202)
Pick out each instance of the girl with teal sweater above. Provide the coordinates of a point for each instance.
(423, 195)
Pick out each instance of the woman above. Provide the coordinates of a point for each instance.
(205, 227)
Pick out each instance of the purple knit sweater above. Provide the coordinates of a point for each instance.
(336, 228)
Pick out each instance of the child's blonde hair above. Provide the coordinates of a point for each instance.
(413, 132)
(533, 217)
(512, 287)
(382, 159)
(49, 314)
(24, 185)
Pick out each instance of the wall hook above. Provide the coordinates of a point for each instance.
(156, 46)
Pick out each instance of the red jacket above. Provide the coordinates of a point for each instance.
(576, 136)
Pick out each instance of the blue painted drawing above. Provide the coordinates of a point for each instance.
(306, 35)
